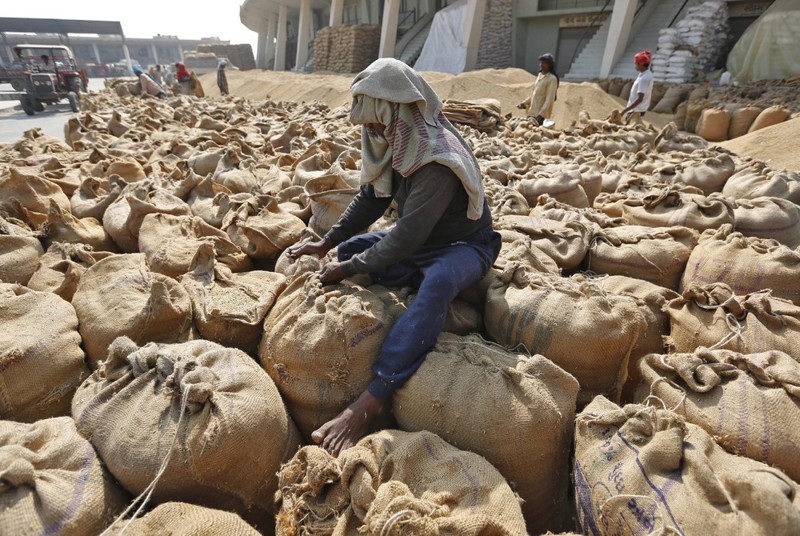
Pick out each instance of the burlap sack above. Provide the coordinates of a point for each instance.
(171, 242)
(209, 201)
(670, 208)
(319, 345)
(769, 218)
(651, 300)
(120, 296)
(229, 308)
(94, 196)
(571, 321)
(20, 250)
(748, 402)
(182, 519)
(565, 187)
(295, 201)
(40, 352)
(714, 124)
(551, 209)
(212, 408)
(395, 483)
(707, 174)
(757, 180)
(680, 113)
(329, 195)
(33, 193)
(60, 269)
(565, 242)
(261, 228)
(694, 112)
(641, 470)
(464, 381)
(124, 217)
(62, 226)
(671, 99)
(205, 163)
(769, 117)
(714, 317)
(658, 255)
(234, 172)
(746, 264)
(128, 168)
(741, 121)
(53, 482)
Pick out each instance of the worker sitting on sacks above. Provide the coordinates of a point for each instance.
(149, 86)
(642, 89)
(442, 243)
(540, 104)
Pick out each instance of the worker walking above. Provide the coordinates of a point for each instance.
(222, 78)
(442, 243)
(540, 104)
(642, 89)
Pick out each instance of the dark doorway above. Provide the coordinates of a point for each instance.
(570, 43)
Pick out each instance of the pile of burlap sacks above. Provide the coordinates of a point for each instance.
(164, 364)
(346, 48)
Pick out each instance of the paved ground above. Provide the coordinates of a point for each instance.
(14, 122)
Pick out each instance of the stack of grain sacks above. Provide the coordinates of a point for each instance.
(346, 49)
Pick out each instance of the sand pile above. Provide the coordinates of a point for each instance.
(508, 86)
(776, 145)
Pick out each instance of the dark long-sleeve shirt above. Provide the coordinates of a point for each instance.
(432, 206)
(222, 81)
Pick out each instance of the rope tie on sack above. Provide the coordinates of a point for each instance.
(597, 238)
(386, 530)
(736, 332)
(145, 495)
(658, 399)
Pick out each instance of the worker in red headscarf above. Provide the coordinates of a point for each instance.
(184, 78)
(642, 90)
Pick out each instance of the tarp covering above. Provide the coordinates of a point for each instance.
(445, 49)
(768, 50)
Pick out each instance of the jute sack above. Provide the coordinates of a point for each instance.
(20, 250)
(741, 121)
(641, 470)
(746, 264)
(40, 352)
(708, 174)
(671, 140)
(651, 300)
(330, 195)
(714, 124)
(757, 180)
(210, 409)
(680, 113)
(53, 481)
(769, 117)
(748, 402)
(671, 99)
(670, 208)
(714, 317)
(551, 209)
(229, 308)
(319, 345)
(60, 269)
(570, 321)
(208, 201)
(94, 196)
(769, 218)
(477, 397)
(394, 483)
(565, 187)
(205, 163)
(62, 226)
(655, 254)
(565, 242)
(120, 296)
(32, 192)
(124, 217)
(234, 172)
(183, 519)
(171, 242)
(261, 228)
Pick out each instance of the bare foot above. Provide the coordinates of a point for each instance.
(349, 426)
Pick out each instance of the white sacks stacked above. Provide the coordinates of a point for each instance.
(667, 65)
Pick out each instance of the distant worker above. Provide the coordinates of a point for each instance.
(149, 86)
(540, 104)
(642, 89)
(184, 78)
(222, 78)
(45, 63)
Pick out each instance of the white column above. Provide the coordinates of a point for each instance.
(261, 50)
(619, 30)
(303, 35)
(391, 14)
(280, 46)
(473, 26)
(337, 8)
(155, 53)
(127, 56)
(272, 24)
(96, 51)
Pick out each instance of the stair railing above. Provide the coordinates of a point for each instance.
(586, 32)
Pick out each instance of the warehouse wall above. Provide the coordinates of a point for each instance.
(535, 36)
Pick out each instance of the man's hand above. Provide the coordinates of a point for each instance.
(521, 106)
(540, 119)
(331, 274)
(319, 248)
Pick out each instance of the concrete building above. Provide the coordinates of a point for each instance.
(590, 38)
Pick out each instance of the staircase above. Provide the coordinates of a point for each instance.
(644, 35)
(414, 47)
(587, 64)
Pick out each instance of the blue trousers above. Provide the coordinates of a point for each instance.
(440, 273)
